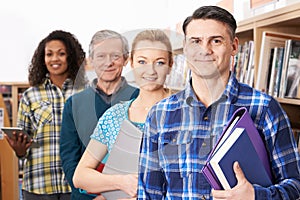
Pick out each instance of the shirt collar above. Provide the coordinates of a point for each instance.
(67, 83)
(230, 93)
(122, 84)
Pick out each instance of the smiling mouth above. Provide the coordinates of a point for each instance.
(109, 69)
(204, 60)
(55, 65)
(150, 78)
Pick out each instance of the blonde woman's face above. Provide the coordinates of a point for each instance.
(150, 64)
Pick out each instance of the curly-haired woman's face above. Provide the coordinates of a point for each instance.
(56, 58)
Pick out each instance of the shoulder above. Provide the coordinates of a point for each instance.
(122, 106)
(263, 107)
(129, 89)
(82, 95)
(34, 94)
(254, 96)
(118, 110)
(173, 102)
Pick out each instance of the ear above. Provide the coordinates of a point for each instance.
(235, 45)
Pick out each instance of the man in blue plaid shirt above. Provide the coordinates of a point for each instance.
(181, 130)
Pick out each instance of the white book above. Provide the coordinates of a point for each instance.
(290, 70)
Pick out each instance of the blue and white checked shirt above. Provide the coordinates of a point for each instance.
(180, 132)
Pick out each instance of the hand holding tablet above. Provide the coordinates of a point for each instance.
(10, 130)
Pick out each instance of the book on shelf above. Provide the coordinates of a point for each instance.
(124, 156)
(238, 62)
(244, 63)
(250, 66)
(270, 39)
(239, 138)
(291, 70)
(275, 75)
(271, 69)
(278, 71)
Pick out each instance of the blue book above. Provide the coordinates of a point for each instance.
(238, 147)
(240, 141)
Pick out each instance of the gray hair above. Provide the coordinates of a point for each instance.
(108, 34)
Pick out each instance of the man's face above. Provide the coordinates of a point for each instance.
(108, 59)
(209, 48)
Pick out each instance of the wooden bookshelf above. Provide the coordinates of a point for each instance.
(284, 20)
(8, 165)
(12, 92)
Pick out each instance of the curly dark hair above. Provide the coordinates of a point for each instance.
(75, 59)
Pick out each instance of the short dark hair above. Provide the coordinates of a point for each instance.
(215, 13)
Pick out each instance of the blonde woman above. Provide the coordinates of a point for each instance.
(151, 61)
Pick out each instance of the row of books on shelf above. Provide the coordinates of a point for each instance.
(244, 63)
(278, 68)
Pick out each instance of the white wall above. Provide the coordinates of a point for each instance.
(25, 22)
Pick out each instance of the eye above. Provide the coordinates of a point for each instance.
(195, 41)
(142, 62)
(62, 53)
(115, 56)
(216, 42)
(160, 63)
(48, 54)
(101, 56)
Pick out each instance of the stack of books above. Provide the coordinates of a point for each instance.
(240, 141)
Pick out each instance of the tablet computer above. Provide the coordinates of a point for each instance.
(9, 132)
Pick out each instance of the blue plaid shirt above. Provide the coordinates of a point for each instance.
(180, 132)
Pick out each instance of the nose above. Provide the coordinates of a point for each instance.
(205, 48)
(151, 69)
(55, 57)
(108, 60)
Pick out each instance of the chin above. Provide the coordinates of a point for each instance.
(152, 87)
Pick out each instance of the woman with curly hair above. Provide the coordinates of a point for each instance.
(56, 65)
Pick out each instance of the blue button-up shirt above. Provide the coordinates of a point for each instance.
(180, 132)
